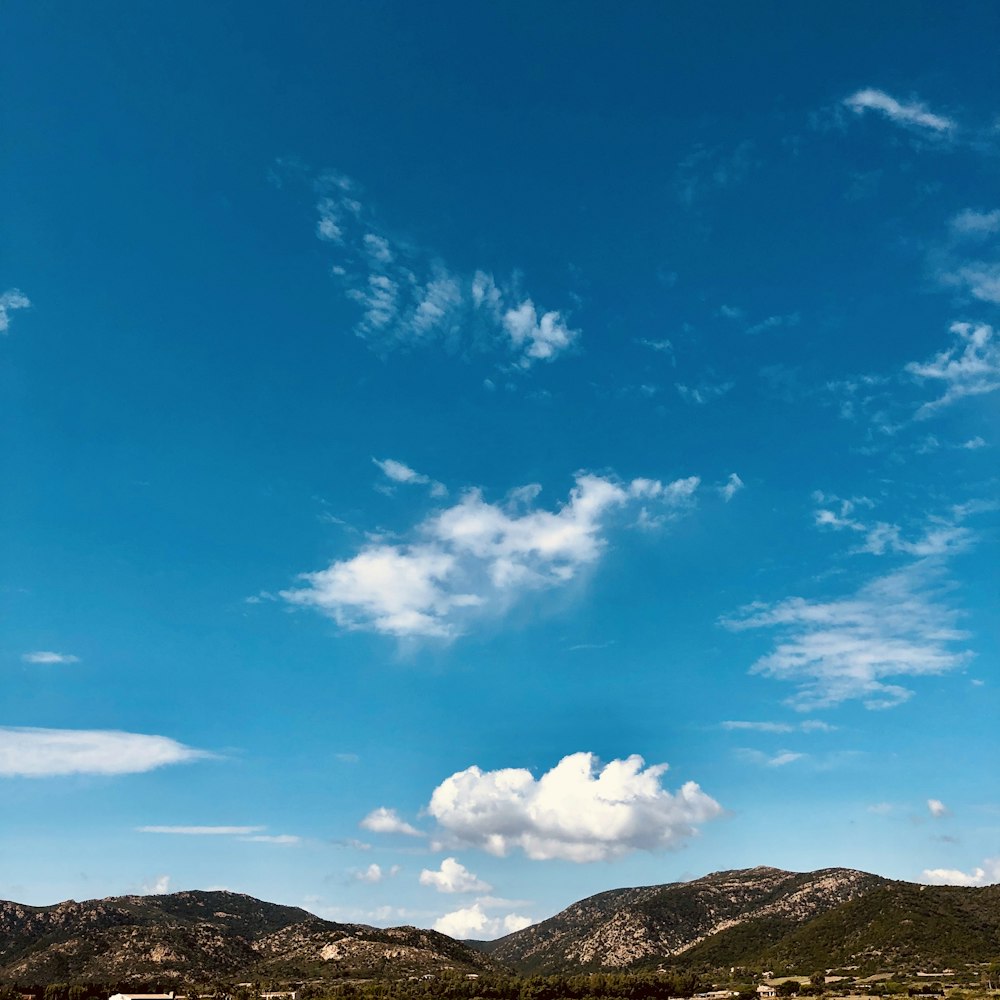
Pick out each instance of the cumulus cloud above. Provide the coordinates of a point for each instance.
(577, 811)
(383, 820)
(476, 557)
(937, 808)
(159, 886)
(474, 922)
(453, 876)
(409, 297)
(37, 753)
(970, 367)
(46, 656)
(10, 301)
(898, 625)
(911, 114)
(987, 874)
(374, 873)
(537, 337)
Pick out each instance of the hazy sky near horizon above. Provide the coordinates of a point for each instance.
(459, 458)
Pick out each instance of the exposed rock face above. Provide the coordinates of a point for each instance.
(203, 936)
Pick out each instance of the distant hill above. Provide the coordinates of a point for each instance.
(760, 918)
(207, 936)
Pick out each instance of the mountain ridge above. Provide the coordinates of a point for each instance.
(759, 917)
(208, 935)
(754, 919)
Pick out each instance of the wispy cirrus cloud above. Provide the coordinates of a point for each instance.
(399, 472)
(731, 487)
(579, 810)
(47, 656)
(408, 297)
(248, 834)
(967, 258)
(806, 726)
(703, 392)
(476, 558)
(10, 301)
(897, 626)
(940, 535)
(970, 367)
(912, 114)
(774, 322)
(41, 753)
(707, 170)
(780, 759)
(202, 831)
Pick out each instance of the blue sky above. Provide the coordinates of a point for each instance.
(422, 428)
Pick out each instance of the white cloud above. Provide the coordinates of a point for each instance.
(780, 759)
(969, 368)
(806, 726)
(987, 874)
(408, 296)
(703, 393)
(937, 808)
(284, 839)
(399, 472)
(35, 753)
(731, 487)
(473, 922)
(660, 346)
(973, 444)
(971, 224)
(453, 876)
(475, 557)
(159, 886)
(898, 625)
(940, 536)
(911, 114)
(10, 301)
(537, 338)
(773, 322)
(47, 656)
(374, 873)
(578, 811)
(203, 831)
(383, 820)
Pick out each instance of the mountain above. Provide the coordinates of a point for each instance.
(760, 918)
(763, 918)
(207, 936)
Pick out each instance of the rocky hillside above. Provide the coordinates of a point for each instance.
(762, 917)
(208, 936)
